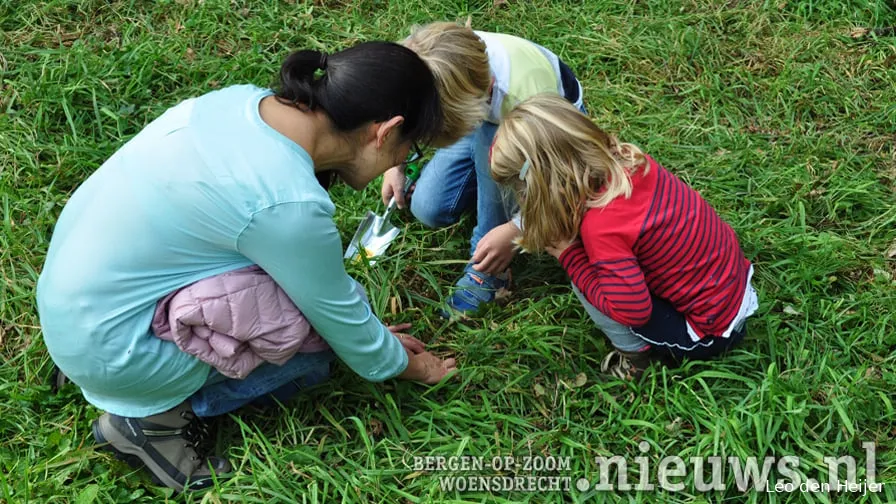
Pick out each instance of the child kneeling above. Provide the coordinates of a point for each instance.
(480, 76)
(656, 268)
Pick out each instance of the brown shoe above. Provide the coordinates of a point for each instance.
(172, 445)
(626, 365)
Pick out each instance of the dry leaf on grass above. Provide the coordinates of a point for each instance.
(375, 427)
(575, 383)
(882, 31)
(858, 32)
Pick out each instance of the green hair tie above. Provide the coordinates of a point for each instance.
(524, 170)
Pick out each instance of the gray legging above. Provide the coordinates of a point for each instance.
(666, 332)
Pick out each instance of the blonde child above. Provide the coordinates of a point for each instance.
(655, 267)
(481, 76)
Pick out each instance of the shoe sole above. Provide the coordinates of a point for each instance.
(132, 455)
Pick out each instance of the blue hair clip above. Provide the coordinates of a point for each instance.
(524, 170)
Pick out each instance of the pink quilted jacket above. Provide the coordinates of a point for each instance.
(235, 321)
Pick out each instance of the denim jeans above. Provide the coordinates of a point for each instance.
(220, 394)
(267, 382)
(458, 179)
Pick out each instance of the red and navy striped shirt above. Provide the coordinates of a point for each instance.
(664, 240)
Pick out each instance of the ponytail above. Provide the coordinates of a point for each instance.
(372, 81)
(300, 79)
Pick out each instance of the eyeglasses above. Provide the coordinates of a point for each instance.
(415, 155)
(413, 164)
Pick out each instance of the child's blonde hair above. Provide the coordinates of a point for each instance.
(457, 58)
(572, 165)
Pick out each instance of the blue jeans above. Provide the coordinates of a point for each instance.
(267, 382)
(457, 177)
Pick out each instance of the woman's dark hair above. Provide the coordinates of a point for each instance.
(372, 81)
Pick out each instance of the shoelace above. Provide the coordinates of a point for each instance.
(197, 433)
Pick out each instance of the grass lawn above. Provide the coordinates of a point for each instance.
(781, 113)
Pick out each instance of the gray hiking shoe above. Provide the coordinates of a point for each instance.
(173, 445)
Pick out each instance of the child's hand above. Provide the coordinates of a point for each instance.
(393, 185)
(495, 250)
(558, 248)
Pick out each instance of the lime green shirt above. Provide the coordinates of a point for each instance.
(521, 69)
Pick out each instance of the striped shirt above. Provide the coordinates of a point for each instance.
(664, 240)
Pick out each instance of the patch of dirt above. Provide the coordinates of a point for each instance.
(417, 284)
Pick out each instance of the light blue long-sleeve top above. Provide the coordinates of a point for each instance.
(208, 187)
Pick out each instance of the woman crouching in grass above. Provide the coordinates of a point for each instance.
(655, 267)
(227, 180)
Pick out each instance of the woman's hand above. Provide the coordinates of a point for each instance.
(558, 248)
(495, 250)
(393, 185)
(411, 343)
(423, 366)
(427, 368)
